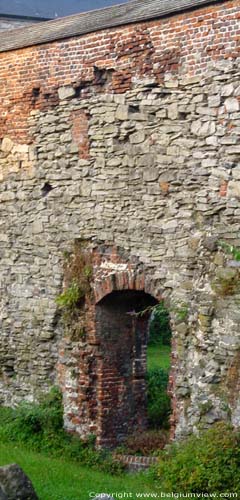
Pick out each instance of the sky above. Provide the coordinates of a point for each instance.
(52, 8)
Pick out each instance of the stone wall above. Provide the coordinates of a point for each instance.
(149, 180)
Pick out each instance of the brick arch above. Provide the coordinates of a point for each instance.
(114, 270)
(107, 396)
(117, 281)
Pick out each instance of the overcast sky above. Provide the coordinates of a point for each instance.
(52, 8)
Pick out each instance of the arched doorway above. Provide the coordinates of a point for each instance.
(122, 319)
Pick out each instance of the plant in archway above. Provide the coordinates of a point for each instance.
(77, 277)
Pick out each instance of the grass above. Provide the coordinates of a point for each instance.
(158, 356)
(56, 479)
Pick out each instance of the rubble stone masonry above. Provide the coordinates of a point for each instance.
(126, 140)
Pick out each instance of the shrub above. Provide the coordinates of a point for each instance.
(70, 298)
(159, 405)
(40, 428)
(209, 463)
(146, 443)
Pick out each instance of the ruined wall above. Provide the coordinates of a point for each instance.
(134, 145)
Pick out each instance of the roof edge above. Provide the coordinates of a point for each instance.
(30, 18)
(96, 20)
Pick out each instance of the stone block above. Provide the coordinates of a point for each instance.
(214, 101)
(15, 484)
(66, 92)
(2, 495)
(137, 137)
(203, 129)
(236, 173)
(7, 196)
(7, 145)
(227, 90)
(172, 111)
(122, 112)
(234, 150)
(151, 174)
(234, 189)
(232, 105)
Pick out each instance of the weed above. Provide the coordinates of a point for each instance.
(77, 276)
(71, 297)
(230, 249)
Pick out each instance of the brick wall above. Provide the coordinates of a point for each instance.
(114, 60)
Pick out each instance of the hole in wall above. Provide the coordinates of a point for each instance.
(133, 109)
(36, 92)
(182, 115)
(103, 76)
(81, 86)
(35, 95)
(46, 189)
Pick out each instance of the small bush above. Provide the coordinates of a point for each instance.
(39, 427)
(146, 443)
(70, 298)
(159, 404)
(209, 463)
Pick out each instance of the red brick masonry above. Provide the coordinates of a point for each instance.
(113, 60)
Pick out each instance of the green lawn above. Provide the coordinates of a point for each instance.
(56, 479)
(158, 356)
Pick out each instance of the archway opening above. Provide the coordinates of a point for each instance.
(158, 368)
(156, 434)
(122, 328)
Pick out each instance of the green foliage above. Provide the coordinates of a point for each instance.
(230, 249)
(158, 400)
(145, 443)
(159, 330)
(39, 427)
(88, 271)
(209, 463)
(70, 297)
(78, 273)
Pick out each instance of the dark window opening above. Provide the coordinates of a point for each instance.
(46, 189)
